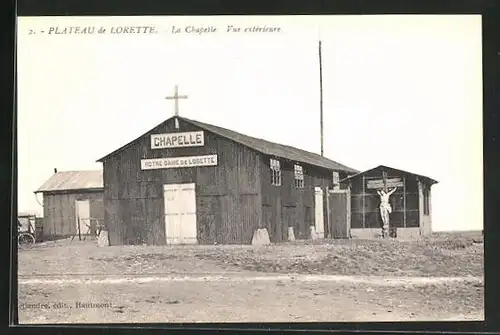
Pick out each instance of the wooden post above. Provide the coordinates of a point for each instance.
(79, 230)
(363, 197)
(404, 201)
(349, 211)
(429, 218)
(420, 207)
(328, 230)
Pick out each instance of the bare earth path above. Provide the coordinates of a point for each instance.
(367, 280)
(257, 299)
(68, 283)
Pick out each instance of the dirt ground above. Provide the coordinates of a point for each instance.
(344, 281)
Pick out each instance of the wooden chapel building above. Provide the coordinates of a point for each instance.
(188, 182)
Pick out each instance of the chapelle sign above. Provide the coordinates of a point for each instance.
(177, 140)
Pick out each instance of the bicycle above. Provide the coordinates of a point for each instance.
(25, 239)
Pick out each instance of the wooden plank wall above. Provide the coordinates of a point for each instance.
(59, 218)
(225, 194)
(287, 206)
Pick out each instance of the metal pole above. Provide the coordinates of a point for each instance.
(321, 97)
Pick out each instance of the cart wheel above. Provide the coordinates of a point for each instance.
(25, 240)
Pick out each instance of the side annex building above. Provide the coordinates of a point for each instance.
(188, 182)
(72, 204)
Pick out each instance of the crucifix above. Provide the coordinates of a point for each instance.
(176, 98)
(385, 207)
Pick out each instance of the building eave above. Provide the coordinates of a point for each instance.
(428, 180)
(73, 190)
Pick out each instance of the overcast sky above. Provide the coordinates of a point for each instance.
(402, 91)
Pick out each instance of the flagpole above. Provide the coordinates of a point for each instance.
(320, 97)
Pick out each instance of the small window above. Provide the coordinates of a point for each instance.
(298, 176)
(275, 172)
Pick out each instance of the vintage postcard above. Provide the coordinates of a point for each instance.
(249, 169)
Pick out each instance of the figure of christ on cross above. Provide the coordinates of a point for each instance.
(176, 98)
(385, 209)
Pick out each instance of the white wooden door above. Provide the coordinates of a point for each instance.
(82, 209)
(172, 217)
(188, 214)
(318, 211)
(180, 213)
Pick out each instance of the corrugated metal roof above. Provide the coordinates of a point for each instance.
(73, 180)
(383, 167)
(263, 146)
